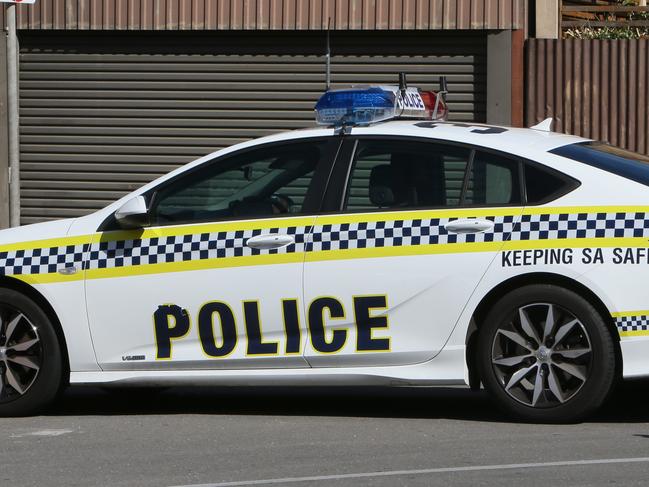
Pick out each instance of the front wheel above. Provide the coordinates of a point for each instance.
(546, 354)
(31, 368)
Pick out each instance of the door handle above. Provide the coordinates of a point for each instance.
(268, 241)
(469, 225)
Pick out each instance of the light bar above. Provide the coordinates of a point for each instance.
(355, 106)
(365, 105)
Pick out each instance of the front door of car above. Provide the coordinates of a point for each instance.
(215, 281)
(387, 276)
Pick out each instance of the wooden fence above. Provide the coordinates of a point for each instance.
(592, 88)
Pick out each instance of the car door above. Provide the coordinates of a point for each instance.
(215, 281)
(419, 222)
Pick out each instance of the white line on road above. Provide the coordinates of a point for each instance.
(42, 433)
(396, 473)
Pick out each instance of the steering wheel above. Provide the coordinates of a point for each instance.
(281, 203)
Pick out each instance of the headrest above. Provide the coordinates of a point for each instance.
(387, 186)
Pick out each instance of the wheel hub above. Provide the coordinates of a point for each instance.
(543, 355)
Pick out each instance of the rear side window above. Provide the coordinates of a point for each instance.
(391, 174)
(630, 165)
(542, 185)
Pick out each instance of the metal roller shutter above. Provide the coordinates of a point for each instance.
(101, 115)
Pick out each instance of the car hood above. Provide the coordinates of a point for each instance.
(36, 231)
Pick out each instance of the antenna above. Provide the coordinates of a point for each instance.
(328, 58)
(403, 85)
(443, 86)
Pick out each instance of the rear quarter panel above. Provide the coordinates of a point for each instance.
(597, 235)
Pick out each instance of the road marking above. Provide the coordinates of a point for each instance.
(43, 433)
(396, 473)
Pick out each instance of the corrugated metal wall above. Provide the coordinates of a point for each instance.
(272, 14)
(103, 114)
(593, 88)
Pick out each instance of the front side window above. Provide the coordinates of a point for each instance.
(399, 174)
(261, 182)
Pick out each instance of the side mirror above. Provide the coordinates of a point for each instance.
(133, 213)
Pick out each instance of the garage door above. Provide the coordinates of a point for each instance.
(102, 115)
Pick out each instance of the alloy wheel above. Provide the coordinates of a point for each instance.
(21, 354)
(542, 356)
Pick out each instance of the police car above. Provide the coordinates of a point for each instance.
(387, 247)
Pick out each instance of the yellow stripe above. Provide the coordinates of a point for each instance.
(473, 212)
(163, 268)
(623, 314)
(473, 247)
(428, 249)
(634, 333)
(42, 244)
(543, 210)
(194, 265)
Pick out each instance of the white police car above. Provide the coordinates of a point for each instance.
(408, 252)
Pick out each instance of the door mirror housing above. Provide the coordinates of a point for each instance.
(133, 213)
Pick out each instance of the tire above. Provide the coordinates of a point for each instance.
(27, 340)
(566, 376)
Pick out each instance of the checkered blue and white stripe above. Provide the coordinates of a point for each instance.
(632, 323)
(182, 248)
(399, 233)
(388, 233)
(41, 261)
(581, 225)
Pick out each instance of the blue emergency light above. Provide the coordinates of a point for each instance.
(355, 106)
(362, 106)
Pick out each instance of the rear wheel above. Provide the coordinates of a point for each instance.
(31, 370)
(546, 354)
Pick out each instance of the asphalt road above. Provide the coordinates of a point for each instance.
(318, 437)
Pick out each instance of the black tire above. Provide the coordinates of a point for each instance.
(584, 392)
(48, 380)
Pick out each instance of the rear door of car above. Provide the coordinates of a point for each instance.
(416, 224)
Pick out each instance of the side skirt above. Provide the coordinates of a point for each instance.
(446, 369)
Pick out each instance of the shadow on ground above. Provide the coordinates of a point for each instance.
(629, 403)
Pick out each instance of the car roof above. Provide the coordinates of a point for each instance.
(512, 140)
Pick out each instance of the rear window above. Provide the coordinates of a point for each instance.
(630, 165)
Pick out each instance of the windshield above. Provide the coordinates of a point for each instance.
(630, 165)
